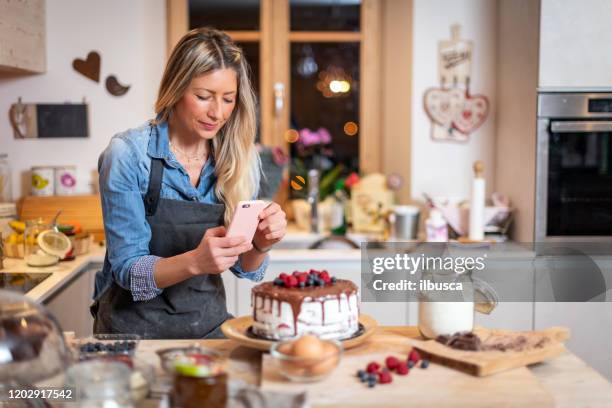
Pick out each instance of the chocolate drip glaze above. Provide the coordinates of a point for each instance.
(295, 296)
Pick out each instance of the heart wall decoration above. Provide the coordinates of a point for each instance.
(453, 111)
(89, 67)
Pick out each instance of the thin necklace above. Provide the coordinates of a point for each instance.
(197, 157)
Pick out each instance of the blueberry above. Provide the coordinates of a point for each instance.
(278, 282)
(302, 284)
(333, 279)
(424, 363)
(361, 373)
(371, 384)
(410, 363)
(319, 282)
(372, 377)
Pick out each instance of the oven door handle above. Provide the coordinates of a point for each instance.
(568, 126)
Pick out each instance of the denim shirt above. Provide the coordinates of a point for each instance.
(124, 168)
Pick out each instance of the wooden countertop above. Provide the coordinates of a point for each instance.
(568, 379)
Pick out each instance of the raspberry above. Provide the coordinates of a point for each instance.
(295, 273)
(292, 282)
(414, 356)
(391, 362)
(373, 367)
(302, 278)
(402, 368)
(384, 377)
(283, 276)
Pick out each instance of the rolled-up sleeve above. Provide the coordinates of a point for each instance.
(127, 231)
(256, 276)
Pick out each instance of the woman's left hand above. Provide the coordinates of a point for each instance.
(272, 226)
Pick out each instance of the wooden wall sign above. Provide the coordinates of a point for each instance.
(453, 111)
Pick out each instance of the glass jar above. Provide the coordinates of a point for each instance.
(199, 378)
(33, 254)
(194, 392)
(100, 384)
(447, 311)
(6, 192)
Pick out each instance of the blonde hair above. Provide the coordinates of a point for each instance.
(237, 165)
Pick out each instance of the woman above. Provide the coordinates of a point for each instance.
(169, 187)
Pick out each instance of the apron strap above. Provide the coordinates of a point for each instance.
(155, 181)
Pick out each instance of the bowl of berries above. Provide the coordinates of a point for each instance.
(107, 344)
(307, 358)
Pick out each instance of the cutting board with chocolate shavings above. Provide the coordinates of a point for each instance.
(499, 350)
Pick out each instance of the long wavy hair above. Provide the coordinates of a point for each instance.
(237, 164)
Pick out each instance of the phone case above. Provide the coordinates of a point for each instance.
(245, 219)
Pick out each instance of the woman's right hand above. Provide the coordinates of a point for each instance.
(216, 252)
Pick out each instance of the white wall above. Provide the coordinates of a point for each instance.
(131, 38)
(445, 168)
(575, 38)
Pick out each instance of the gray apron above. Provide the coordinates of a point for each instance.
(194, 308)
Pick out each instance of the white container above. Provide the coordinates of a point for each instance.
(440, 318)
(43, 181)
(65, 180)
(435, 227)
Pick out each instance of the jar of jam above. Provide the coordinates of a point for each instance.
(199, 381)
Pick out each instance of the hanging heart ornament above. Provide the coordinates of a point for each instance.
(442, 105)
(472, 115)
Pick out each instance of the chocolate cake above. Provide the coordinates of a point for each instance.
(305, 302)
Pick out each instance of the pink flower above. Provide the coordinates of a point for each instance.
(308, 138)
(324, 136)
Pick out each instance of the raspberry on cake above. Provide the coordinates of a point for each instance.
(305, 302)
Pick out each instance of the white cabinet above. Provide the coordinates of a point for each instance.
(70, 304)
(575, 38)
(590, 323)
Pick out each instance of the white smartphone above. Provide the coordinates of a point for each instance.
(246, 218)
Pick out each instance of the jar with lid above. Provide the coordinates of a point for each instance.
(33, 254)
(6, 192)
(199, 379)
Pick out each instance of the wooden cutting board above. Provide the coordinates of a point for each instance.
(86, 209)
(482, 363)
(436, 386)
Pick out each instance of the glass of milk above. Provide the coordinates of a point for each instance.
(445, 312)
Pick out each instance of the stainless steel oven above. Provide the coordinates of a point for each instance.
(574, 167)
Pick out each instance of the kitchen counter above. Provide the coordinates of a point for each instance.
(568, 379)
(61, 274)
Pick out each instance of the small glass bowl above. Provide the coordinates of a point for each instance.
(304, 369)
(169, 356)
